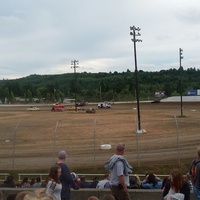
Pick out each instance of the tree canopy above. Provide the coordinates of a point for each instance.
(98, 86)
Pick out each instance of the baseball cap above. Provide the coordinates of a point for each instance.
(62, 154)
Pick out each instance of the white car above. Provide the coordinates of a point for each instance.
(33, 109)
(104, 105)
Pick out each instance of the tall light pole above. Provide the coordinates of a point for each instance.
(181, 88)
(74, 64)
(133, 32)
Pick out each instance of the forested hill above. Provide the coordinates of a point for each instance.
(99, 86)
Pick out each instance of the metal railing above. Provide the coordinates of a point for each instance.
(88, 176)
(3, 176)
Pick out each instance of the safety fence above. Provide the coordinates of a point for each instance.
(34, 144)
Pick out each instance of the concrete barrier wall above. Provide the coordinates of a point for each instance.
(83, 194)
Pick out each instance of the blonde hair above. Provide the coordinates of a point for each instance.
(22, 194)
(92, 198)
(30, 197)
(1, 195)
(108, 197)
(39, 194)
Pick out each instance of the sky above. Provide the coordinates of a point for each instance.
(44, 36)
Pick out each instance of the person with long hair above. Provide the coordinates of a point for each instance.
(53, 185)
(176, 186)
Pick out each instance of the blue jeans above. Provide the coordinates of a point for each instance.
(196, 193)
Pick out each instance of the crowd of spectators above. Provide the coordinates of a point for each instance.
(150, 181)
(25, 183)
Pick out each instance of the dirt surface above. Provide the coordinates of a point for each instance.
(31, 140)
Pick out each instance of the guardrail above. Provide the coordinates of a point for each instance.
(88, 176)
(3, 176)
(32, 175)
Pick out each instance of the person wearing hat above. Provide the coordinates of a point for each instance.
(65, 178)
(119, 174)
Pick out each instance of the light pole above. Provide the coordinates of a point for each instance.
(74, 64)
(133, 30)
(181, 88)
(54, 94)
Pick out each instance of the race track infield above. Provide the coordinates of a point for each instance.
(31, 140)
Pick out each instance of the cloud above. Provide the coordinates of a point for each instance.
(42, 37)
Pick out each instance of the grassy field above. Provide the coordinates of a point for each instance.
(30, 141)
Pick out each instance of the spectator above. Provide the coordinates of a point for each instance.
(176, 186)
(104, 183)
(195, 174)
(38, 183)
(54, 186)
(84, 183)
(92, 198)
(119, 173)
(66, 179)
(108, 197)
(32, 182)
(134, 182)
(188, 180)
(11, 197)
(151, 182)
(39, 194)
(1, 195)
(21, 195)
(94, 183)
(164, 182)
(25, 183)
(9, 182)
(76, 179)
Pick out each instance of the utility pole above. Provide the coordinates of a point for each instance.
(133, 30)
(74, 64)
(54, 94)
(181, 88)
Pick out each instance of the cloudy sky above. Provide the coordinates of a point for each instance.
(44, 36)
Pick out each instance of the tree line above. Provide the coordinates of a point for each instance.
(98, 86)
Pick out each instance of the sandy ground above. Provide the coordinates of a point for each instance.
(31, 140)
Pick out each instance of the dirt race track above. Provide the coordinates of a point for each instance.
(31, 140)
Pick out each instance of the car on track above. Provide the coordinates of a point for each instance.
(33, 109)
(72, 108)
(90, 110)
(58, 107)
(104, 105)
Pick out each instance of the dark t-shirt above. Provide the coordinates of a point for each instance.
(66, 181)
(196, 179)
(184, 190)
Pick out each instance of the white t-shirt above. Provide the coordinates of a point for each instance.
(101, 184)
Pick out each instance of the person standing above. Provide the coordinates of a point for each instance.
(53, 185)
(195, 174)
(65, 177)
(119, 174)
